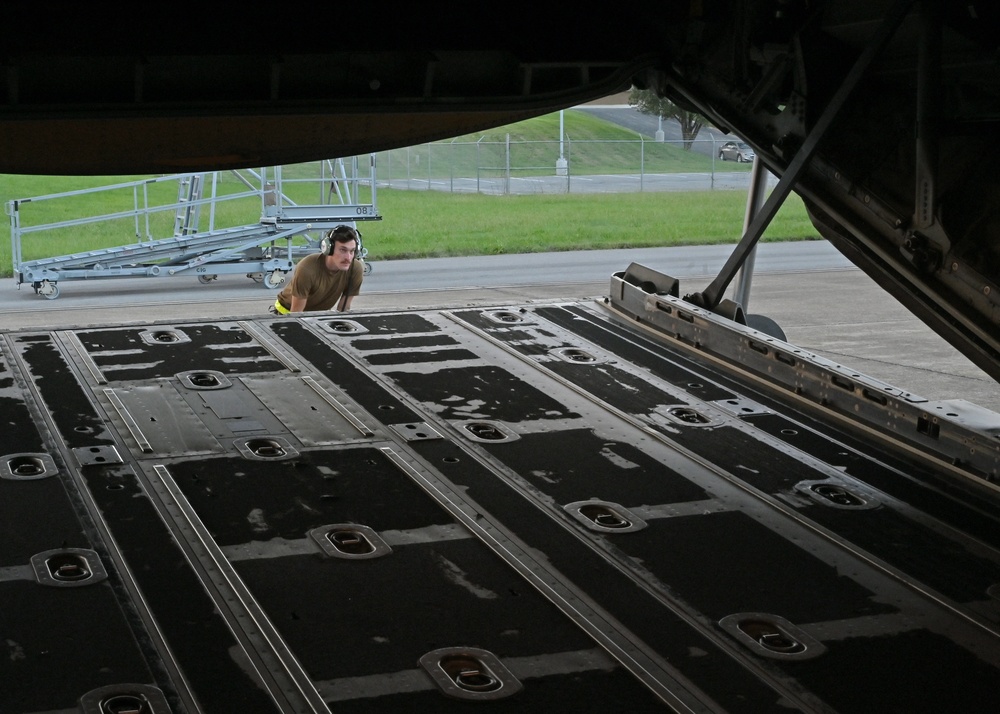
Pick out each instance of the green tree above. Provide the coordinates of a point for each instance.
(647, 102)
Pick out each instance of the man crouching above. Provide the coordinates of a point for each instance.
(325, 280)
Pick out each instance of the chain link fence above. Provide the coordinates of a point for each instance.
(562, 167)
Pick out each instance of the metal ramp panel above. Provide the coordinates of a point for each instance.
(531, 508)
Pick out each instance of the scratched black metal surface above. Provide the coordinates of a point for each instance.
(59, 642)
(520, 415)
(902, 537)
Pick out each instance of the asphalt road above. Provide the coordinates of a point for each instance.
(531, 272)
(822, 303)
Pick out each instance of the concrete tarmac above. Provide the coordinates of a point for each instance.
(822, 303)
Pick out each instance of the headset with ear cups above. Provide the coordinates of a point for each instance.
(326, 245)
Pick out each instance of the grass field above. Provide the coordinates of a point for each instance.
(591, 145)
(428, 223)
(484, 225)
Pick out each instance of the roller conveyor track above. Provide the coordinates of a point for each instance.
(546, 507)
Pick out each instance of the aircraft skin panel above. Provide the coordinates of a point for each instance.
(534, 507)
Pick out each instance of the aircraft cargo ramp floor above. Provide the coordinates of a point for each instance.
(550, 507)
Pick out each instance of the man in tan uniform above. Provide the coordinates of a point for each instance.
(325, 280)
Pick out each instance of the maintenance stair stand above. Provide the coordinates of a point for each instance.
(265, 251)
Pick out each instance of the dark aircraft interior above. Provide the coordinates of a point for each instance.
(644, 503)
